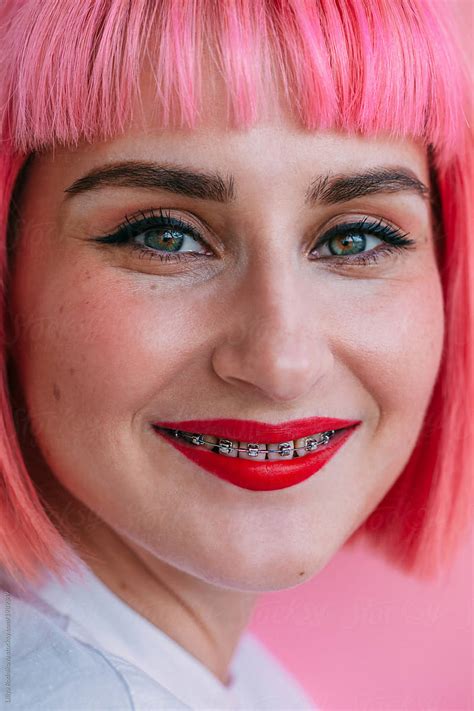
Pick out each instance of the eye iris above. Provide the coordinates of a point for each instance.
(167, 240)
(346, 243)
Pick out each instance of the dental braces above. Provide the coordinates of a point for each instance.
(225, 446)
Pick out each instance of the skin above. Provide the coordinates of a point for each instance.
(104, 343)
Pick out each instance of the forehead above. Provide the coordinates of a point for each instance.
(229, 167)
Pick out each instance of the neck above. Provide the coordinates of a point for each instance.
(207, 621)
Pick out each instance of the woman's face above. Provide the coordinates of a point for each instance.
(262, 322)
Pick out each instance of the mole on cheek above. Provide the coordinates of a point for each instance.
(56, 392)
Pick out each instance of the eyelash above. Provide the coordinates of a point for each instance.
(136, 224)
(140, 222)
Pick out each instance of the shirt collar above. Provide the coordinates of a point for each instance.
(99, 617)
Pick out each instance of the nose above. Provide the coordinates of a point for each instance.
(275, 338)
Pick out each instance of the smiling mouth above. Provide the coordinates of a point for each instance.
(259, 466)
(257, 451)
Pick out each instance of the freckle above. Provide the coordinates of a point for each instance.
(61, 308)
(152, 286)
(56, 392)
(72, 371)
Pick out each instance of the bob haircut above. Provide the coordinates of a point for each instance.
(70, 71)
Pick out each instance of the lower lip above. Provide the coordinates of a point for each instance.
(261, 476)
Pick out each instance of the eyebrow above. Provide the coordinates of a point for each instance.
(143, 174)
(325, 190)
(342, 188)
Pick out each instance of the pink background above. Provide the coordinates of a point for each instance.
(363, 636)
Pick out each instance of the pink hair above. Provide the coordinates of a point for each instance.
(70, 71)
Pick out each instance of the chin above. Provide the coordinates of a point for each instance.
(268, 571)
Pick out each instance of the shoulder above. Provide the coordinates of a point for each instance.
(48, 669)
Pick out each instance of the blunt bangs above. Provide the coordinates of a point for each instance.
(74, 68)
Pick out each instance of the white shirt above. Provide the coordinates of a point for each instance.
(79, 647)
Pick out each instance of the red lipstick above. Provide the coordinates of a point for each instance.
(260, 475)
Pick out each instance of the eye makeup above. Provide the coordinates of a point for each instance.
(355, 234)
(163, 234)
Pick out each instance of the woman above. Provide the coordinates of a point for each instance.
(238, 329)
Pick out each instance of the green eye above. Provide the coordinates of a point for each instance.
(350, 243)
(364, 241)
(161, 236)
(168, 240)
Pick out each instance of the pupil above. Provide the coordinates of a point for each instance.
(168, 241)
(346, 243)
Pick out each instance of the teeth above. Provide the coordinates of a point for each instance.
(260, 451)
(210, 442)
(306, 445)
(197, 439)
(228, 447)
(300, 446)
(257, 452)
(281, 450)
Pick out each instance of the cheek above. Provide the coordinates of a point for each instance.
(92, 352)
(392, 349)
(389, 347)
(392, 342)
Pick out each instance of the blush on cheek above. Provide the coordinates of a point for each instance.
(396, 349)
(109, 351)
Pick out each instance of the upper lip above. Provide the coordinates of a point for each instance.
(259, 432)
